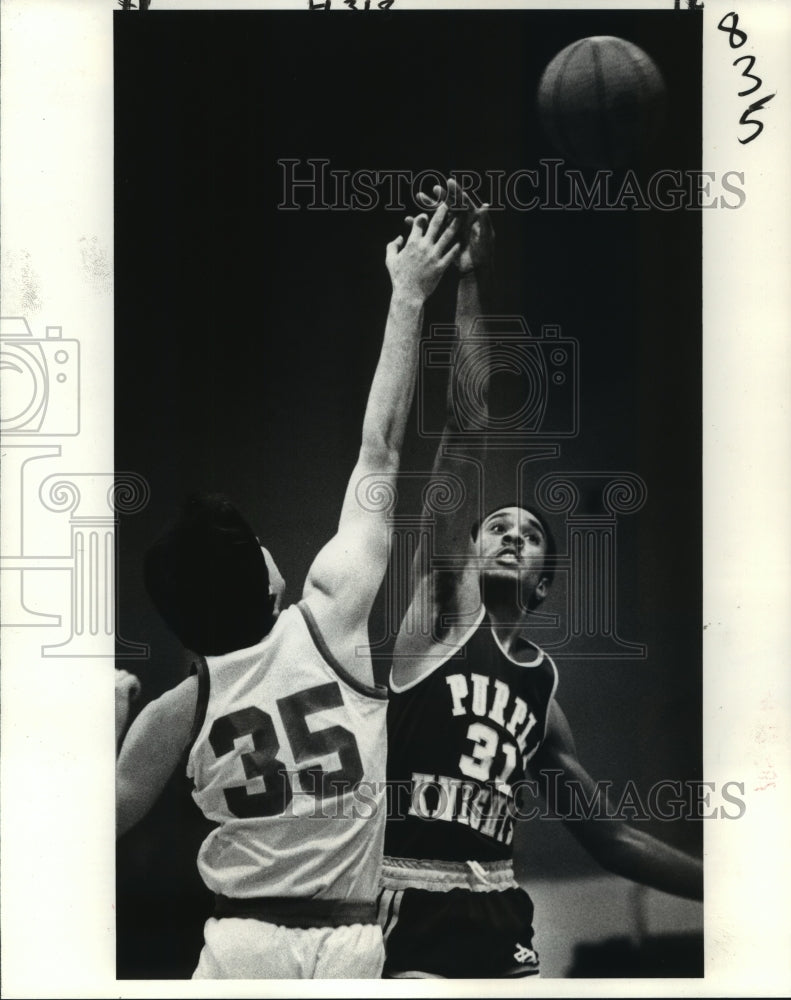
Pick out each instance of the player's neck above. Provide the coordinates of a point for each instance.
(506, 611)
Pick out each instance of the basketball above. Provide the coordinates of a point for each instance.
(601, 101)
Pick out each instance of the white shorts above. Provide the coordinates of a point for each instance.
(243, 948)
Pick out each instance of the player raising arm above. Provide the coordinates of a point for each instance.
(472, 713)
(282, 722)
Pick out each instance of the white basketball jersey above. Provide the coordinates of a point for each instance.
(290, 761)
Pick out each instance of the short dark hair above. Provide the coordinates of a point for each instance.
(548, 572)
(208, 579)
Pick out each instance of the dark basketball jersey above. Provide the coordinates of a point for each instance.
(459, 742)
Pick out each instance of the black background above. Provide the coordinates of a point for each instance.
(246, 338)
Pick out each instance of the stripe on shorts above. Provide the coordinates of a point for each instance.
(392, 899)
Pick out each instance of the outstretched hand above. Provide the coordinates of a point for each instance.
(417, 264)
(476, 234)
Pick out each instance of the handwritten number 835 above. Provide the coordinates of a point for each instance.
(737, 38)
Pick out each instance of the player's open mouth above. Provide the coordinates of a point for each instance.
(508, 556)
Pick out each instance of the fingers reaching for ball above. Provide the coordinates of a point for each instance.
(476, 234)
(417, 263)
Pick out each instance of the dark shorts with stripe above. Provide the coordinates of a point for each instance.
(456, 933)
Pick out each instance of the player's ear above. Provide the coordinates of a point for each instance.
(542, 589)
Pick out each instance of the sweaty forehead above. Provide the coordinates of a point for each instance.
(519, 515)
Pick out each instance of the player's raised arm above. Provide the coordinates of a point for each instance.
(455, 590)
(346, 575)
(618, 846)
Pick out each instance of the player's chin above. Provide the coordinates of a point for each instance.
(500, 571)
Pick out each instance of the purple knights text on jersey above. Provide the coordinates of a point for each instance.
(460, 741)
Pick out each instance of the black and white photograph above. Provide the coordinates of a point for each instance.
(393, 513)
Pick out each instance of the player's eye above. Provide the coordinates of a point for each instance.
(496, 528)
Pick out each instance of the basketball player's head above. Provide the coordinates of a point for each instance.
(516, 551)
(211, 581)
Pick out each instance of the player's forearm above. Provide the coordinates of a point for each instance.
(472, 297)
(451, 528)
(151, 752)
(390, 398)
(638, 856)
(128, 809)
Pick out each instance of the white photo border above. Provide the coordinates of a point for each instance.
(57, 776)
